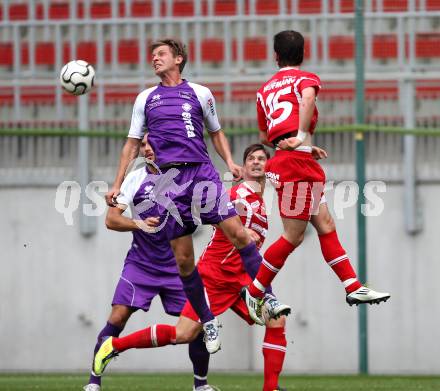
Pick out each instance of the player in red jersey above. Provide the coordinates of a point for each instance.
(223, 276)
(287, 117)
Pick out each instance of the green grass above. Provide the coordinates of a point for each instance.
(226, 382)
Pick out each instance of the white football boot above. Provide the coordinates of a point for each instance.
(206, 387)
(273, 309)
(92, 387)
(254, 306)
(364, 295)
(212, 338)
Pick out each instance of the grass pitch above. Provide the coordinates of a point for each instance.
(225, 382)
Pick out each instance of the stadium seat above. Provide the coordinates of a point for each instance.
(212, 50)
(100, 9)
(432, 5)
(18, 11)
(183, 8)
(346, 5)
(59, 10)
(45, 53)
(384, 46)
(341, 47)
(128, 51)
(428, 45)
(395, 5)
(141, 8)
(86, 50)
(309, 6)
(225, 7)
(255, 49)
(267, 7)
(7, 54)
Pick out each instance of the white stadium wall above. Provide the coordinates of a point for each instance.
(56, 287)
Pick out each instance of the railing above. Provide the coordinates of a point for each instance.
(46, 158)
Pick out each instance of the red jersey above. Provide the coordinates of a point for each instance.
(278, 102)
(220, 252)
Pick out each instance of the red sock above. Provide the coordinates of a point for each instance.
(274, 350)
(336, 257)
(151, 337)
(274, 259)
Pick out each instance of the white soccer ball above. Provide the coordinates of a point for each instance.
(77, 77)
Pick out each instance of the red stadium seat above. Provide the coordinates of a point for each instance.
(128, 51)
(341, 47)
(309, 6)
(346, 5)
(432, 5)
(99, 9)
(7, 54)
(86, 51)
(18, 11)
(225, 7)
(255, 49)
(395, 5)
(428, 45)
(45, 53)
(183, 8)
(385, 46)
(59, 10)
(267, 7)
(142, 8)
(212, 50)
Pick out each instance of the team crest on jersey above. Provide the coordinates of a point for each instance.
(243, 193)
(155, 97)
(148, 193)
(186, 106)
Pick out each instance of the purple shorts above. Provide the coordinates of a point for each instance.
(196, 196)
(137, 288)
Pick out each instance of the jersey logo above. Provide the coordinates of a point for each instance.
(155, 97)
(185, 94)
(211, 106)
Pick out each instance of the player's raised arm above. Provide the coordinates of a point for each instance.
(130, 150)
(306, 108)
(222, 147)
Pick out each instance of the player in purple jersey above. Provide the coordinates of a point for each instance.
(149, 269)
(174, 113)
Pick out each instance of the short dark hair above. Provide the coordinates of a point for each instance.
(176, 46)
(253, 148)
(289, 47)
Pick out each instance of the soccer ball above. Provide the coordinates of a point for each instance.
(77, 77)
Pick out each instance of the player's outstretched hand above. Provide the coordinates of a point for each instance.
(110, 197)
(319, 153)
(289, 144)
(236, 170)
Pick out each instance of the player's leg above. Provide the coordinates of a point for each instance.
(193, 286)
(185, 331)
(277, 253)
(115, 324)
(274, 351)
(173, 300)
(336, 257)
(251, 258)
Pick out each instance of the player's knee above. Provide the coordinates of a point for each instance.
(186, 335)
(296, 239)
(276, 323)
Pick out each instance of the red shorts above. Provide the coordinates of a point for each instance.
(223, 292)
(299, 181)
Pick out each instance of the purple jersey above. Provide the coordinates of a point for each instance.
(150, 251)
(174, 119)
